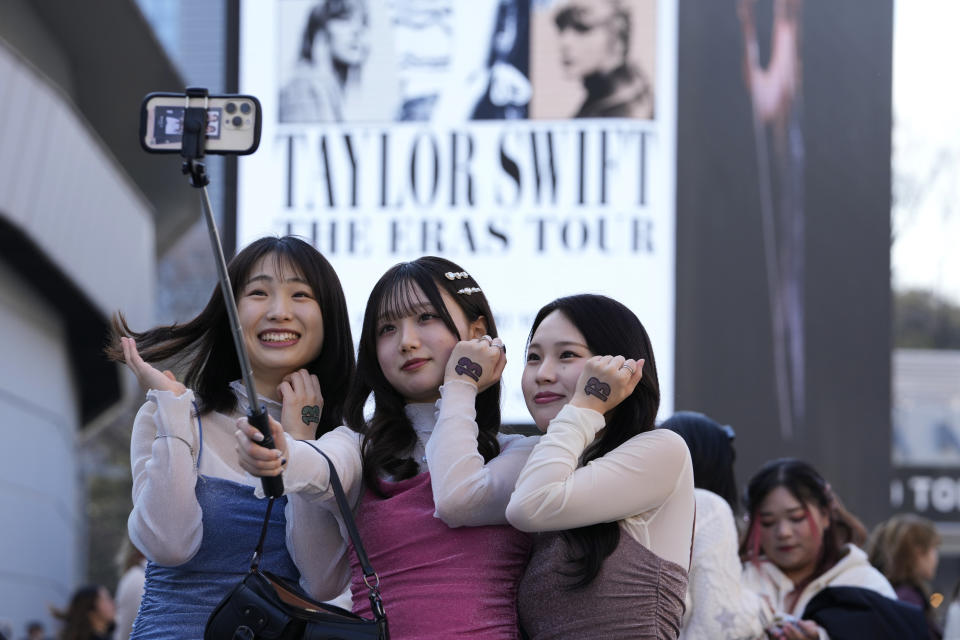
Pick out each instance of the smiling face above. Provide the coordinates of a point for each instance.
(791, 533)
(281, 322)
(413, 349)
(555, 357)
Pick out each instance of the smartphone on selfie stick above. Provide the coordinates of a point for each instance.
(193, 124)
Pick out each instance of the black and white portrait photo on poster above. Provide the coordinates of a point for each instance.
(461, 60)
(333, 65)
(402, 60)
(593, 58)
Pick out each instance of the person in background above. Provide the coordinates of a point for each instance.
(131, 565)
(35, 631)
(799, 542)
(718, 605)
(89, 616)
(905, 549)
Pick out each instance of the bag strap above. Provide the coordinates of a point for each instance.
(376, 605)
(347, 513)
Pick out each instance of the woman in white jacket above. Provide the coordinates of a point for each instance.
(798, 544)
(718, 605)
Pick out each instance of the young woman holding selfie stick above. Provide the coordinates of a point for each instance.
(195, 516)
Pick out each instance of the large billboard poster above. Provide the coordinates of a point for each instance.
(531, 142)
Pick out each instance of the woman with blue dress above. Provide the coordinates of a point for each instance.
(195, 514)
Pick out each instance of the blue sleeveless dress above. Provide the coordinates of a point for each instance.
(178, 600)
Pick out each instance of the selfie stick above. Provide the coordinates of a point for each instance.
(192, 147)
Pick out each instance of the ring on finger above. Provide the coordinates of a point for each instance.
(628, 368)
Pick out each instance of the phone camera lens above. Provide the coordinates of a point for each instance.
(231, 107)
(237, 121)
(244, 107)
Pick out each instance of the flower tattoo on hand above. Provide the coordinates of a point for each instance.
(467, 367)
(596, 388)
(310, 413)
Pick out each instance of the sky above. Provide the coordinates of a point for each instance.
(926, 147)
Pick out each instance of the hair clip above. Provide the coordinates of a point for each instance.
(469, 290)
(456, 275)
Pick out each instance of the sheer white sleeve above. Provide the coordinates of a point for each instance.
(554, 493)
(166, 522)
(317, 547)
(316, 538)
(466, 490)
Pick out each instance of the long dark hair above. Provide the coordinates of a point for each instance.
(204, 345)
(76, 617)
(809, 488)
(609, 328)
(389, 437)
(711, 451)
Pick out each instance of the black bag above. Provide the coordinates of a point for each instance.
(854, 613)
(264, 606)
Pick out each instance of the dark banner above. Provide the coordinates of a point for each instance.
(783, 233)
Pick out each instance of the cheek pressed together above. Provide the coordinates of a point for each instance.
(413, 349)
(555, 358)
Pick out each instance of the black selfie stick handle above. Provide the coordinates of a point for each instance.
(192, 147)
(272, 486)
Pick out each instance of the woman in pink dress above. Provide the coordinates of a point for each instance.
(449, 568)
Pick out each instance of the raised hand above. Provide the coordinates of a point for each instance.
(606, 381)
(479, 361)
(257, 460)
(302, 404)
(148, 376)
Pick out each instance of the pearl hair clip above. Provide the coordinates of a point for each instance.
(469, 290)
(456, 275)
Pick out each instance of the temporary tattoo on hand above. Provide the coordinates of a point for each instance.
(310, 413)
(467, 367)
(596, 388)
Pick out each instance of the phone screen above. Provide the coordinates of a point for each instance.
(168, 124)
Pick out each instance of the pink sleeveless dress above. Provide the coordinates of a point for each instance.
(437, 581)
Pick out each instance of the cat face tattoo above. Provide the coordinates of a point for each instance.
(467, 367)
(596, 388)
(310, 413)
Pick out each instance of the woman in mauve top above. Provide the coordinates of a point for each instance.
(611, 497)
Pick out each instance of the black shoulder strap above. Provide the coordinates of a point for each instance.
(347, 513)
(370, 577)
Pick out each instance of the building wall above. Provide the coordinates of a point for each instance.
(43, 519)
(78, 243)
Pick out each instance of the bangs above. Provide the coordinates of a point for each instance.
(287, 263)
(407, 294)
(401, 300)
